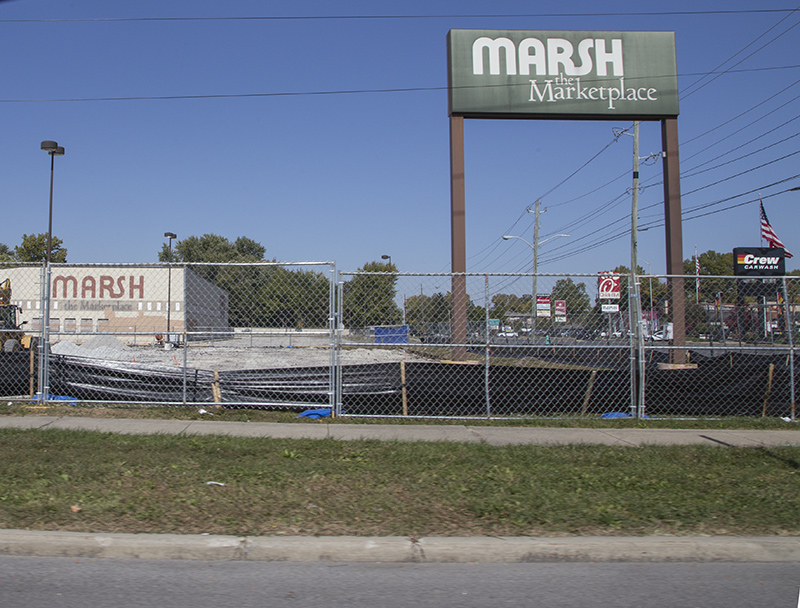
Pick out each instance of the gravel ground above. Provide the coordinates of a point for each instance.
(257, 352)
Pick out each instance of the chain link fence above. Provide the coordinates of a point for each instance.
(241, 335)
(302, 336)
(738, 354)
(576, 349)
(515, 357)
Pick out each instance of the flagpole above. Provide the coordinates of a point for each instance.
(697, 276)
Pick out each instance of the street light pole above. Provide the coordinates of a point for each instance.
(535, 249)
(170, 236)
(535, 303)
(53, 149)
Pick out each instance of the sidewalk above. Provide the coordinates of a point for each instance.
(399, 549)
(400, 432)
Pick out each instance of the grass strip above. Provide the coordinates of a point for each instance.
(97, 482)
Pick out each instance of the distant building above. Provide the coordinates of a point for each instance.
(119, 300)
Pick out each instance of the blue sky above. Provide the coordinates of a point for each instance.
(343, 153)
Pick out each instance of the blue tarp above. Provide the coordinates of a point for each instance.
(68, 400)
(324, 412)
(397, 334)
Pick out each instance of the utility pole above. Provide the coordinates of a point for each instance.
(634, 314)
(534, 293)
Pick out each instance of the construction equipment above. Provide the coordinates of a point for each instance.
(12, 338)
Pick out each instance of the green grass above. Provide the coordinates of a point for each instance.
(326, 487)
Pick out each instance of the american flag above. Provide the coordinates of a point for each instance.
(768, 234)
(697, 271)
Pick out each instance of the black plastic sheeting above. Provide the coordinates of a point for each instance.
(15, 372)
(103, 380)
(730, 384)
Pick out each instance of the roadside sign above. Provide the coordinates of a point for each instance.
(542, 306)
(608, 286)
(610, 307)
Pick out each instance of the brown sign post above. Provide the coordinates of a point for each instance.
(564, 75)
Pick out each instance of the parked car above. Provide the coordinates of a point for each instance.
(507, 334)
(663, 334)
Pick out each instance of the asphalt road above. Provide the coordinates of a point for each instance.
(34, 582)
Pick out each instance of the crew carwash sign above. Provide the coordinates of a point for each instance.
(564, 75)
(759, 262)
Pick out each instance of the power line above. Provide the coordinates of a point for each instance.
(783, 90)
(589, 216)
(729, 198)
(750, 124)
(698, 171)
(314, 93)
(686, 94)
(399, 17)
(686, 214)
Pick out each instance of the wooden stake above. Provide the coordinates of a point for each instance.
(588, 392)
(769, 390)
(403, 387)
(215, 390)
(31, 372)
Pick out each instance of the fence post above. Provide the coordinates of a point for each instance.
(486, 348)
(336, 362)
(790, 326)
(185, 364)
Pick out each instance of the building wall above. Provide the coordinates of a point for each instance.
(118, 299)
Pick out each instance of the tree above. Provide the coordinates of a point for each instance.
(793, 286)
(213, 248)
(503, 303)
(6, 254)
(34, 249)
(711, 264)
(578, 301)
(368, 299)
(434, 313)
(258, 295)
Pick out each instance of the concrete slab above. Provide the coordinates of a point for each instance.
(743, 438)
(330, 549)
(610, 549)
(395, 549)
(259, 429)
(26, 422)
(119, 425)
(755, 438)
(400, 432)
(120, 546)
(543, 436)
(639, 437)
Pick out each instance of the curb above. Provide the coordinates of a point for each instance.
(395, 549)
